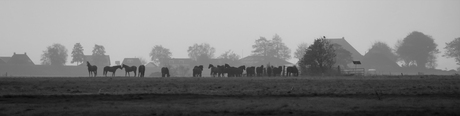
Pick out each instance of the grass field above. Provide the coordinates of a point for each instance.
(370, 95)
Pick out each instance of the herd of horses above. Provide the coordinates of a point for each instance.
(216, 71)
(252, 71)
(92, 70)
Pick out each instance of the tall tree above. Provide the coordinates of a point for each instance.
(271, 48)
(55, 54)
(280, 50)
(417, 49)
(453, 50)
(301, 50)
(77, 54)
(99, 55)
(159, 54)
(383, 48)
(319, 57)
(230, 57)
(203, 49)
(262, 47)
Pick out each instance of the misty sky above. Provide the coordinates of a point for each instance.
(132, 28)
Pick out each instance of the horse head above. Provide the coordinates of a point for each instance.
(210, 66)
(242, 67)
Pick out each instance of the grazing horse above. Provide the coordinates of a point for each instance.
(260, 70)
(129, 69)
(197, 71)
(92, 69)
(215, 70)
(112, 69)
(164, 72)
(141, 71)
(250, 71)
(292, 70)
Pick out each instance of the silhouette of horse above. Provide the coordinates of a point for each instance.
(234, 71)
(164, 72)
(197, 71)
(240, 70)
(277, 70)
(231, 71)
(292, 70)
(129, 69)
(141, 71)
(250, 71)
(260, 70)
(112, 69)
(215, 70)
(92, 69)
(269, 71)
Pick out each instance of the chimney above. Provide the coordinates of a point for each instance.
(14, 53)
(25, 53)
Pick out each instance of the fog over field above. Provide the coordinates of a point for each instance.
(132, 28)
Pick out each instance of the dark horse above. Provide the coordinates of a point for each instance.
(141, 71)
(260, 70)
(197, 71)
(92, 69)
(129, 69)
(250, 71)
(112, 69)
(215, 70)
(164, 72)
(292, 70)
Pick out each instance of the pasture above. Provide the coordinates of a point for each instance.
(369, 95)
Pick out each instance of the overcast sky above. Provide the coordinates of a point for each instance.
(132, 28)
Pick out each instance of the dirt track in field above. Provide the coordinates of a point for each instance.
(207, 96)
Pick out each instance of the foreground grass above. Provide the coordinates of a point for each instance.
(435, 85)
(408, 95)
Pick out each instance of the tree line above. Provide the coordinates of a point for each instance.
(416, 50)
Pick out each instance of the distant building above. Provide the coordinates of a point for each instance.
(132, 62)
(347, 46)
(4, 60)
(261, 60)
(186, 62)
(17, 59)
(151, 64)
(104, 62)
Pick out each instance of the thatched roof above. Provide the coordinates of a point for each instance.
(347, 46)
(20, 59)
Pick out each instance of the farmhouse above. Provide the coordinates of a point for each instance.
(4, 60)
(16, 59)
(105, 61)
(151, 64)
(132, 61)
(345, 45)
